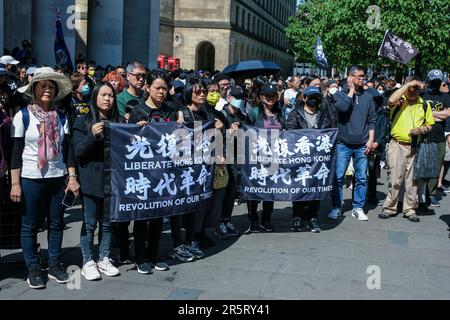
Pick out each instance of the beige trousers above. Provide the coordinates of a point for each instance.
(401, 163)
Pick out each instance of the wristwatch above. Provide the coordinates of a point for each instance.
(73, 175)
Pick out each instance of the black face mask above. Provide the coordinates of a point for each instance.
(314, 102)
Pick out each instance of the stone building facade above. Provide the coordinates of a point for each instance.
(203, 34)
(107, 31)
(210, 35)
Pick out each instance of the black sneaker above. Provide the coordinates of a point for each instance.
(423, 208)
(313, 225)
(253, 228)
(296, 224)
(158, 264)
(58, 273)
(125, 260)
(144, 268)
(440, 192)
(267, 227)
(36, 278)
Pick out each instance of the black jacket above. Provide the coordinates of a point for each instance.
(231, 118)
(201, 115)
(89, 151)
(356, 116)
(297, 120)
(382, 129)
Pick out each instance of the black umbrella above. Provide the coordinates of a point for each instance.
(252, 68)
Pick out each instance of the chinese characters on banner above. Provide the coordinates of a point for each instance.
(290, 166)
(157, 171)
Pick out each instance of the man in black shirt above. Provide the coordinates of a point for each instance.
(440, 104)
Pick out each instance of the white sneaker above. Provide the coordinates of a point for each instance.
(90, 271)
(359, 213)
(107, 268)
(334, 214)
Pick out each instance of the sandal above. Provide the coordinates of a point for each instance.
(413, 218)
(384, 215)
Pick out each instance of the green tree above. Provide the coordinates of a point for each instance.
(349, 35)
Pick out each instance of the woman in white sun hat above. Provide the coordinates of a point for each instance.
(41, 162)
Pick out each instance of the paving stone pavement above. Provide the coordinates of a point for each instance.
(412, 261)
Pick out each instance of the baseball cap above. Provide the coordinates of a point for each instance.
(8, 60)
(236, 91)
(31, 71)
(331, 82)
(268, 89)
(309, 91)
(435, 74)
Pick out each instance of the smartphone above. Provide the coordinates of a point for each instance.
(69, 200)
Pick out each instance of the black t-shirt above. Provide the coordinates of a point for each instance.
(10, 98)
(438, 102)
(79, 107)
(144, 113)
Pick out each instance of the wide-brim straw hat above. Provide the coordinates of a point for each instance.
(63, 83)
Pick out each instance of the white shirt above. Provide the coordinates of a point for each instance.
(54, 168)
(290, 95)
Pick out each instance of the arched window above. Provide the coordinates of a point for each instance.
(206, 56)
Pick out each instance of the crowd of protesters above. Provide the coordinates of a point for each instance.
(52, 133)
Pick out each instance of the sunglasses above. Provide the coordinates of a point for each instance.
(139, 76)
(199, 92)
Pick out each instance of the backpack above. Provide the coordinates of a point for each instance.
(146, 113)
(26, 118)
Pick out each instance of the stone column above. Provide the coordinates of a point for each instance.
(17, 23)
(2, 28)
(81, 37)
(154, 34)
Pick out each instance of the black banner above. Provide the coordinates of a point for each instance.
(158, 170)
(397, 49)
(296, 165)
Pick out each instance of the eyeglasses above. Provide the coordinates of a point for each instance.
(444, 84)
(138, 76)
(199, 92)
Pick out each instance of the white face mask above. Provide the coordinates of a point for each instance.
(381, 92)
(333, 91)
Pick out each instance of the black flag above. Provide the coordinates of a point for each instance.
(397, 49)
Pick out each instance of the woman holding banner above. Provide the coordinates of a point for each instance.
(308, 114)
(266, 115)
(153, 110)
(195, 94)
(88, 144)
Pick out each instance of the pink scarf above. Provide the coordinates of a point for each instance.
(49, 134)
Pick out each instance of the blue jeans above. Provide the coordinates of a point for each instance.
(42, 197)
(360, 162)
(93, 213)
